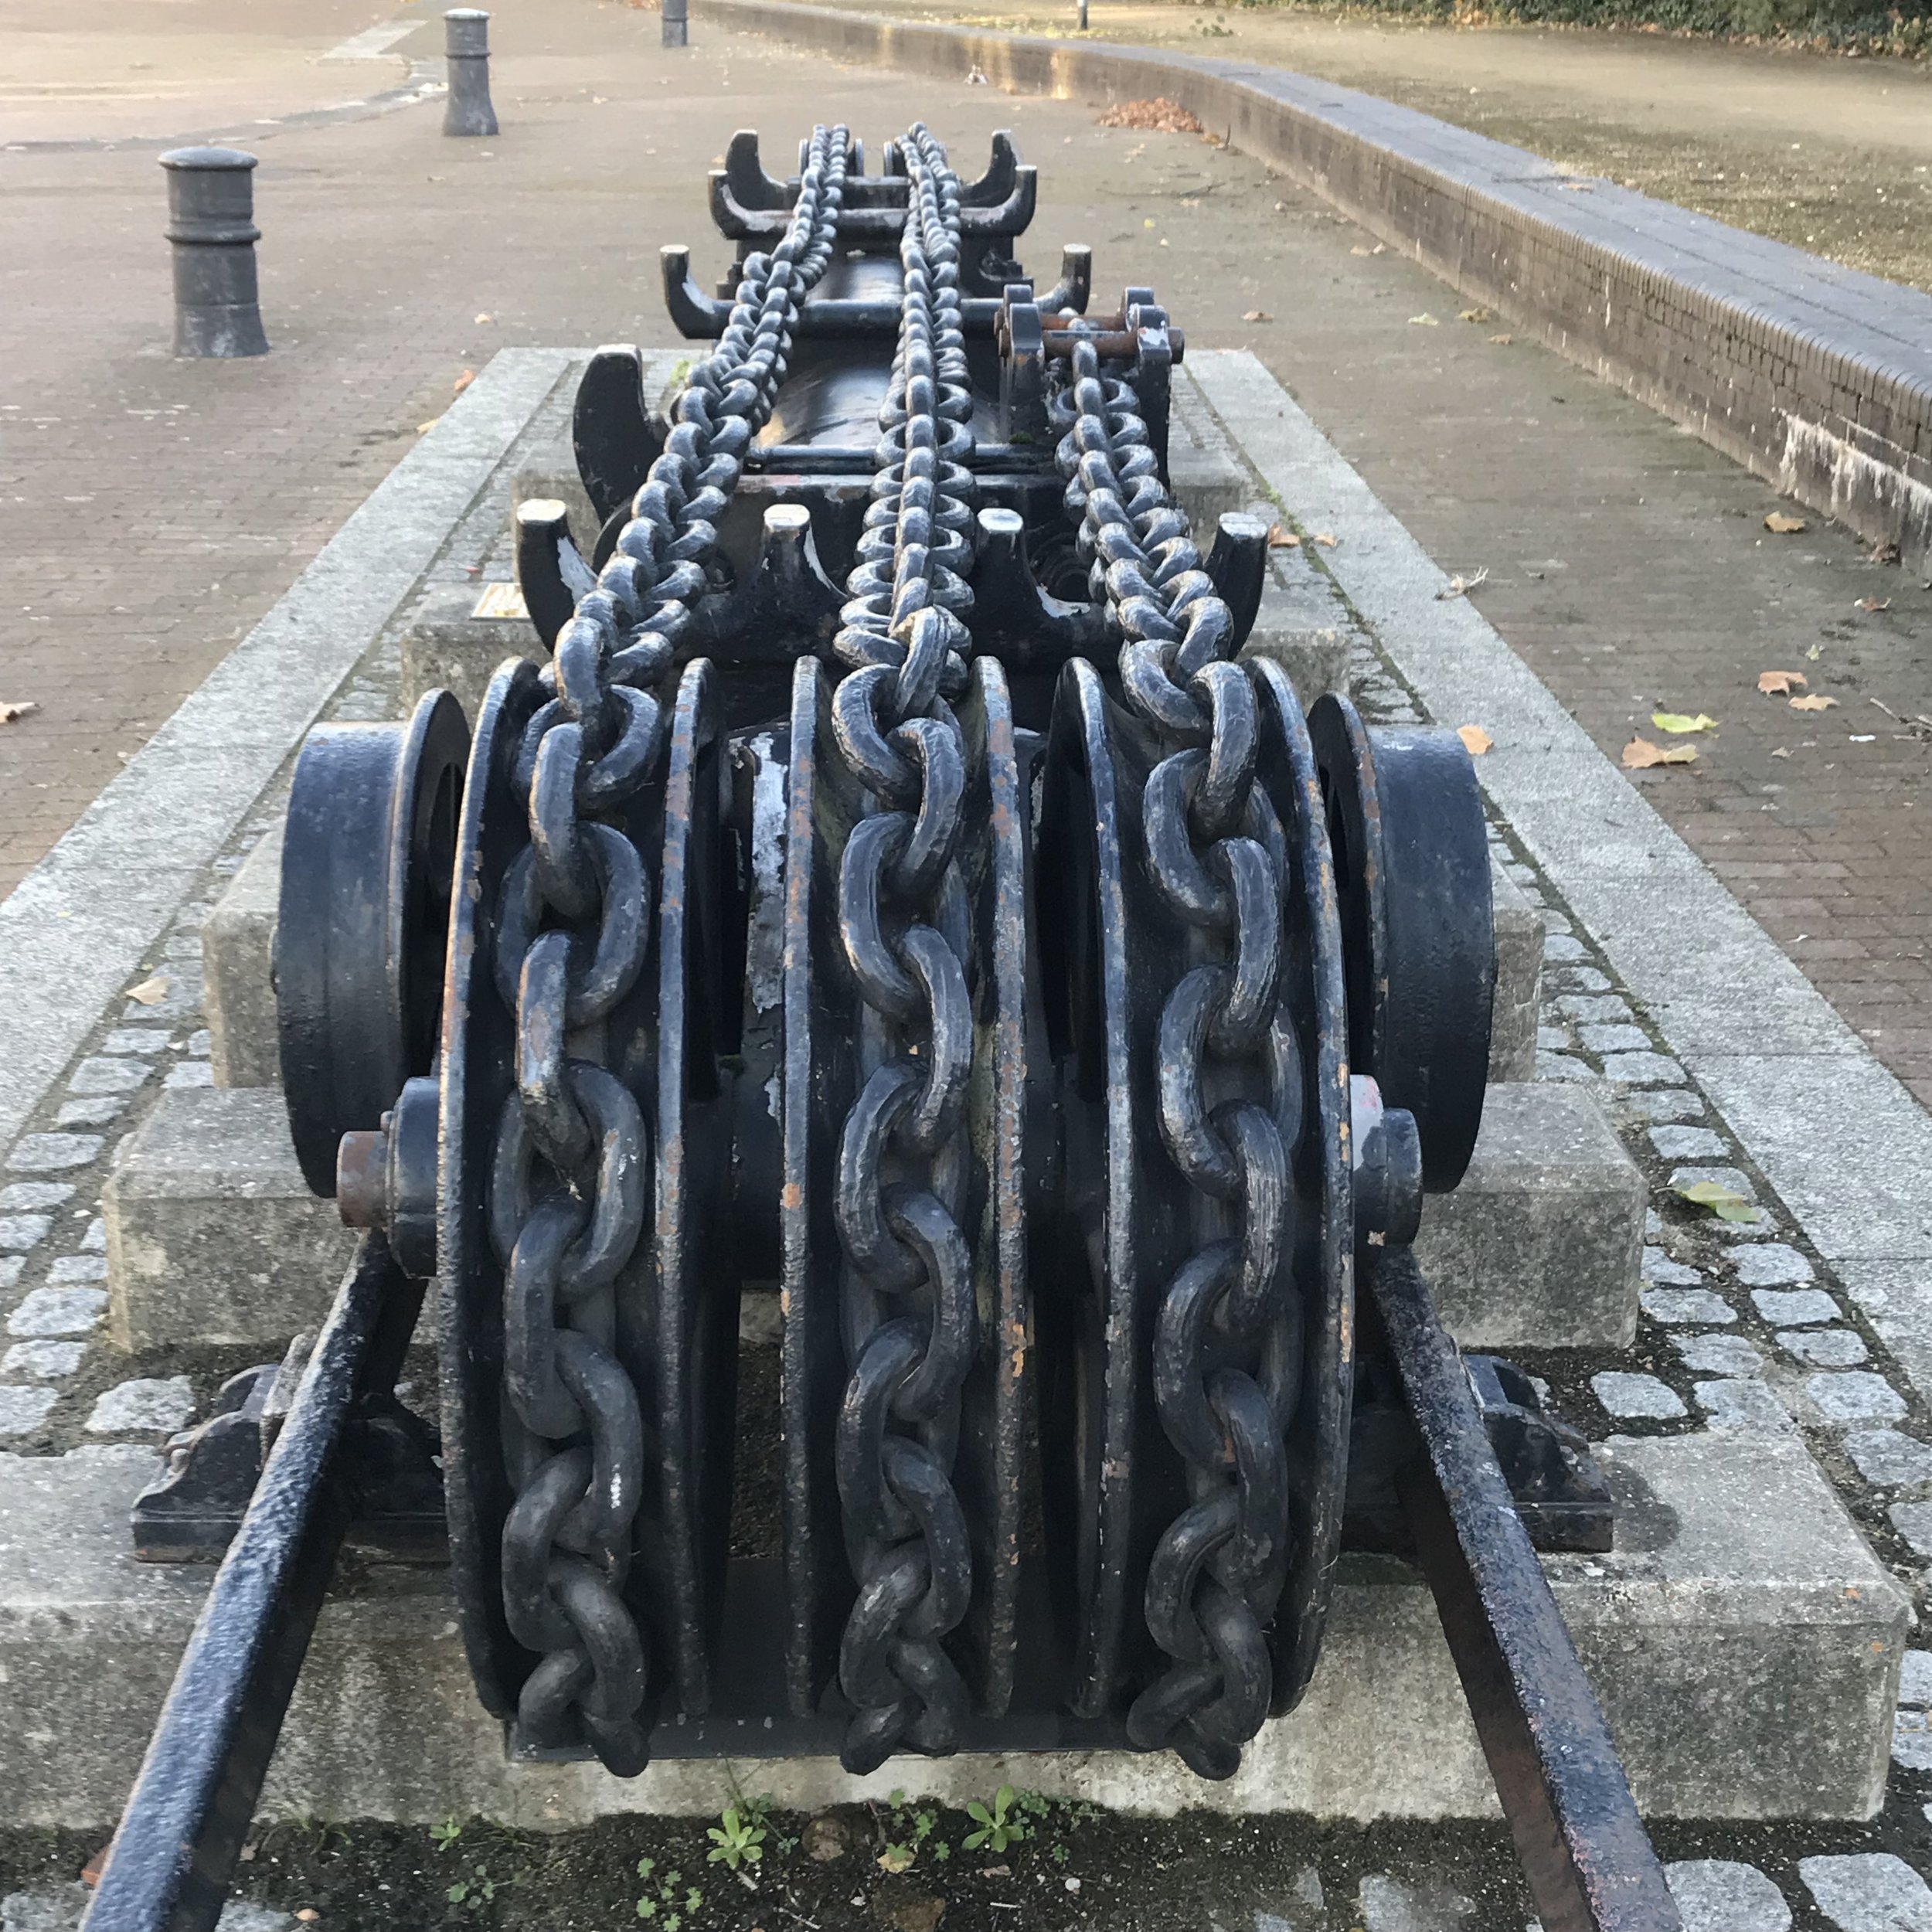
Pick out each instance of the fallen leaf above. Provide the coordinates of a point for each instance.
(13, 713)
(1782, 751)
(486, 318)
(1159, 115)
(1472, 315)
(463, 382)
(1812, 655)
(1327, 542)
(1777, 684)
(1257, 315)
(1818, 701)
(1640, 754)
(423, 429)
(1873, 604)
(501, 600)
(1425, 320)
(1461, 586)
(1726, 1203)
(1358, 250)
(1783, 525)
(1679, 722)
(1281, 538)
(895, 1858)
(1502, 342)
(90, 1872)
(1884, 552)
(1475, 740)
(1377, 248)
(150, 993)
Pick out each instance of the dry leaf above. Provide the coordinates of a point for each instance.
(486, 318)
(423, 429)
(1461, 586)
(1777, 684)
(1502, 342)
(1873, 604)
(13, 713)
(1358, 250)
(1327, 542)
(1257, 315)
(1425, 320)
(1726, 1203)
(1281, 538)
(1475, 740)
(1818, 703)
(1782, 751)
(1159, 115)
(1783, 525)
(1812, 655)
(1377, 248)
(150, 993)
(895, 1858)
(1679, 722)
(463, 382)
(1640, 754)
(1472, 315)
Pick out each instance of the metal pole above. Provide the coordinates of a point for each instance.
(211, 211)
(676, 24)
(466, 42)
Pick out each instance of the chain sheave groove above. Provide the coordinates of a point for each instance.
(1227, 1342)
(908, 1306)
(567, 1195)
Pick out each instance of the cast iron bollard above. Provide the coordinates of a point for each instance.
(675, 33)
(467, 42)
(211, 210)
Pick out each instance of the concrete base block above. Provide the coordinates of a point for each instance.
(212, 1236)
(446, 646)
(1519, 973)
(1540, 1245)
(1744, 1642)
(238, 988)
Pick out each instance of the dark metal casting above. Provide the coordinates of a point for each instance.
(466, 44)
(211, 222)
(898, 891)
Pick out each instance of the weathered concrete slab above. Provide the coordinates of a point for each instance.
(1519, 973)
(212, 1236)
(1744, 1642)
(447, 646)
(1540, 1246)
(238, 990)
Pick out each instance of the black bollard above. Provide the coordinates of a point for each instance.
(675, 33)
(467, 42)
(211, 222)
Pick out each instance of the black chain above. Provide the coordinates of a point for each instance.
(1226, 1348)
(909, 1310)
(569, 1181)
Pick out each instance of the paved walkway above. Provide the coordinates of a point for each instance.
(158, 508)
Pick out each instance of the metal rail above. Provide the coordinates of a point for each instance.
(1583, 1849)
(173, 1856)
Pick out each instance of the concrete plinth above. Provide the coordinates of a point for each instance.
(212, 1236)
(447, 646)
(1519, 971)
(1539, 1246)
(1745, 1644)
(238, 989)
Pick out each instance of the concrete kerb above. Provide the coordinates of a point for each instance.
(1502, 227)
(77, 927)
(1845, 1146)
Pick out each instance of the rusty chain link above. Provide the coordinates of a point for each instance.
(909, 1315)
(569, 1178)
(1226, 1346)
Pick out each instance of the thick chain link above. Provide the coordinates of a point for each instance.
(909, 1310)
(1226, 1347)
(570, 1178)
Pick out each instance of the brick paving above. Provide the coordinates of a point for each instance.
(158, 507)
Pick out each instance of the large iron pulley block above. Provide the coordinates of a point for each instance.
(897, 896)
